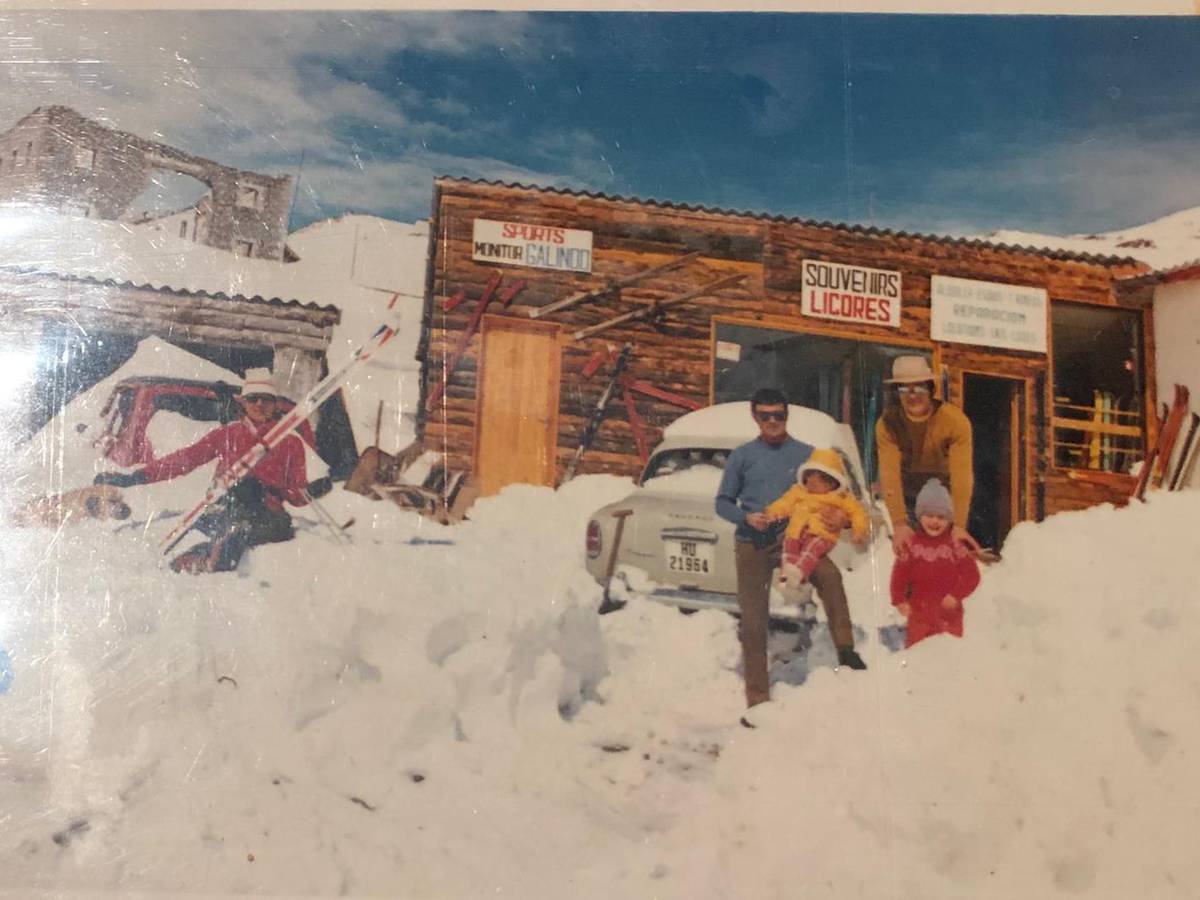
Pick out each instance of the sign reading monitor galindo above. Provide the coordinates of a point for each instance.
(832, 290)
(965, 311)
(538, 246)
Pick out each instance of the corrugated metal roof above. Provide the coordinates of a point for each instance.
(866, 230)
(182, 292)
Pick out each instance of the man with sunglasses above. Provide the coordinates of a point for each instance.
(920, 437)
(757, 473)
(252, 512)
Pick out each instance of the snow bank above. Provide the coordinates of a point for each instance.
(438, 711)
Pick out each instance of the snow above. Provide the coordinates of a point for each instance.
(356, 263)
(1166, 243)
(439, 711)
(735, 420)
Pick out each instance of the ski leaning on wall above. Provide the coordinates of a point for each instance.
(288, 423)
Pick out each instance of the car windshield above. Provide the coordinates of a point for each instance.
(202, 407)
(669, 462)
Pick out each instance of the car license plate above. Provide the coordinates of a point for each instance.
(689, 557)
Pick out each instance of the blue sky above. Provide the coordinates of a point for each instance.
(944, 124)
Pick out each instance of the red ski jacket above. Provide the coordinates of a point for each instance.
(929, 570)
(282, 470)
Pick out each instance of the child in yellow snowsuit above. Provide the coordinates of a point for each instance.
(820, 484)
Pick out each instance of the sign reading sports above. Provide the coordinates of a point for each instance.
(537, 246)
(832, 290)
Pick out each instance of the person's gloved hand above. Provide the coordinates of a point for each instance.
(120, 479)
(320, 487)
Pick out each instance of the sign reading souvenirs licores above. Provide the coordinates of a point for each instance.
(1011, 316)
(538, 246)
(832, 290)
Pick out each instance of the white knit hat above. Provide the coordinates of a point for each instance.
(259, 381)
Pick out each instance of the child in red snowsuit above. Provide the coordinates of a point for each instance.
(936, 573)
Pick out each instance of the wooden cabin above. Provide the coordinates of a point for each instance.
(83, 328)
(1048, 353)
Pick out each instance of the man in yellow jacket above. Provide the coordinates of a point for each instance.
(918, 438)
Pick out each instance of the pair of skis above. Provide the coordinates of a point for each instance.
(1187, 457)
(1155, 470)
(285, 426)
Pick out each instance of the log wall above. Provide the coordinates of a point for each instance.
(675, 353)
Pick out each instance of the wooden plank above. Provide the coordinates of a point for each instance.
(1096, 427)
(671, 301)
(613, 286)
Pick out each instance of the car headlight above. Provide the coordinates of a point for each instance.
(595, 543)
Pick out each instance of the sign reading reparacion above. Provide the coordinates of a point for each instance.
(538, 246)
(964, 311)
(832, 290)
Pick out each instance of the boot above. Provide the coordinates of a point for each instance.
(194, 561)
(848, 656)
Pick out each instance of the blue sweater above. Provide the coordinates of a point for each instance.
(755, 475)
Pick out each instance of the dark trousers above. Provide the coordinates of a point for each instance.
(242, 521)
(754, 568)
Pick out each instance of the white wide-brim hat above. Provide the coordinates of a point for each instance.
(910, 370)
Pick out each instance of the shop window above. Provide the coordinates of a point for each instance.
(839, 376)
(1098, 419)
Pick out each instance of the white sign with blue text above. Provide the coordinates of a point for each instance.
(537, 246)
(1011, 316)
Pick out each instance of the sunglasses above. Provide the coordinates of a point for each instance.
(258, 398)
(916, 389)
(771, 416)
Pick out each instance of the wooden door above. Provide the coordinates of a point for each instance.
(517, 423)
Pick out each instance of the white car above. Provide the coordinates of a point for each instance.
(674, 548)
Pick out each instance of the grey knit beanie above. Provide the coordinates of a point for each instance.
(934, 500)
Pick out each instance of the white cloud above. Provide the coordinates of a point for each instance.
(257, 90)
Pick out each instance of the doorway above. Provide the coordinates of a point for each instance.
(516, 429)
(995, 405)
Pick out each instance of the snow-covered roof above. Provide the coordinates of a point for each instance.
(341, 263)
(1169, 244)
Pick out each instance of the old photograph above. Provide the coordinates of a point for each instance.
(598, 454)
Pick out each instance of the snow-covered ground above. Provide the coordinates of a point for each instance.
(439, 712)
(431, 711)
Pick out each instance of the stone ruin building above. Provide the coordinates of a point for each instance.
(58, 158)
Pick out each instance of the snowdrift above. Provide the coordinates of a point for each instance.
(436, 711)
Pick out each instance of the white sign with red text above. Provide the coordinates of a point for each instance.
(832, 290)
(538, 246)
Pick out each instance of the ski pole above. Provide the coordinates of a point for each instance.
(338, 532)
